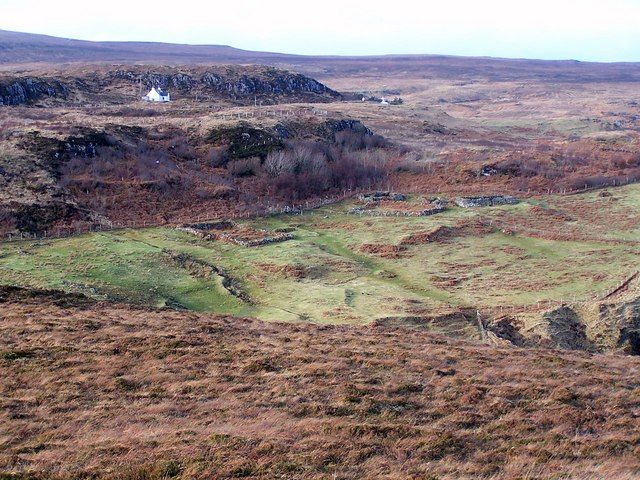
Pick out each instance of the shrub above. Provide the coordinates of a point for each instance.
(217, 156)
(243, 168)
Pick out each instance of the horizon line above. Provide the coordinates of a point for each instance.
(324, 55)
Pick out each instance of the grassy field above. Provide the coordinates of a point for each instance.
(343, 268)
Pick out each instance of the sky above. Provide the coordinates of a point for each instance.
(587, 30)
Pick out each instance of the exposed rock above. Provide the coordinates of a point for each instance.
(618, 326)
(21, 91)
(488, 171)
(239, 84)
(329, 128)
(36, 218)
(508, 329)
(565, 329)
(275, 82)
(54, 152)
(234, 83)
(244, 141)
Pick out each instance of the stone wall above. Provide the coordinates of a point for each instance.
(397, 213)
(485, 201)
(280, 237)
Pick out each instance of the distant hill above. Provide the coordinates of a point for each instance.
(16, 47)
(26, 48)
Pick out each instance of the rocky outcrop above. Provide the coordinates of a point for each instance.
(54, 151)
(590, 327)
(181, 81)
(618, 326)
(240, 85)
(605, 325)
(234, 83)
(332, 126)
(274, 82)
(565, 329)
(37, 218)
(244, 141)
(20, 91)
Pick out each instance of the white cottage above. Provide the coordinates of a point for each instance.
(157, 95)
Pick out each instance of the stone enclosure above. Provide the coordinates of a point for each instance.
(237, 234)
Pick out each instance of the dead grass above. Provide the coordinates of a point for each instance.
(383, 250)
(102, 391)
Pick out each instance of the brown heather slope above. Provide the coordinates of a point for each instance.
(100, 391)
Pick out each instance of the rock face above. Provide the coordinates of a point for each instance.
(273, 83)
(53, 152)
(244, 141)
(233, 83)
(566, 330)
(28, 90)
(600, 327)
(607, 325)
(620, 326)
(331, 127)
(181, 81)
(37, 218)
(32, 197)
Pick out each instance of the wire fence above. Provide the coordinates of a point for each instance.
(80, 228)
(573, 302)
(272, 112)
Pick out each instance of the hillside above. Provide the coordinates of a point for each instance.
(33, 48)
(553, 271)
(156, 163)
(108, 392)
(24, 48)
(316, 267)
(102, 85)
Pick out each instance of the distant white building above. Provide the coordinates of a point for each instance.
(157, 95)
(384, 101)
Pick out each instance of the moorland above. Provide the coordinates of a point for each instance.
(280, 275)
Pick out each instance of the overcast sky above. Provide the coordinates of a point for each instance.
(602, 30)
